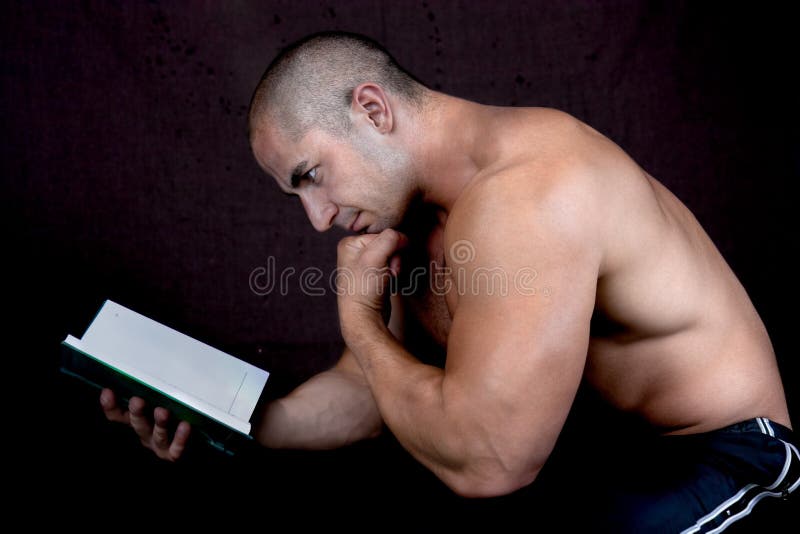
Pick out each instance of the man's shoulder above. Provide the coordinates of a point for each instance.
(545, 128)
(509, 220)
(537, 150)
(528, 191)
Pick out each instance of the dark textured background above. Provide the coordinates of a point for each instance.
(126, 174)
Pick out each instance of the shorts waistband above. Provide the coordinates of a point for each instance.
(761, 425)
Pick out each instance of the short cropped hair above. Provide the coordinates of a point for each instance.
(310, 83)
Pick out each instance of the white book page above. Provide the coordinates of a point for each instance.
(217, 379)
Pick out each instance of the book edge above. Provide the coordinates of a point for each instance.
(245, 425)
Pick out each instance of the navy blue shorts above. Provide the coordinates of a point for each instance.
(698, 483)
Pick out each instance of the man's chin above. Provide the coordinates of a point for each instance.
(377, 227)
(371, 229)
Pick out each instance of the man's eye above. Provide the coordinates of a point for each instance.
(311, 176)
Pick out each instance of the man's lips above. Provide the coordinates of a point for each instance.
(355, 226)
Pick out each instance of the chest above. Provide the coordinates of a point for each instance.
(430, 300)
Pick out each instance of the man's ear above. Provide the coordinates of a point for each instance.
(371, 103)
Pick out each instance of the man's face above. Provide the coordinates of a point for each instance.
(357, 182)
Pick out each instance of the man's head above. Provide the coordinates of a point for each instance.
(310, 83)
(322, 121)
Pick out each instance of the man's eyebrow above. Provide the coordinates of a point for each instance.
(297, 173)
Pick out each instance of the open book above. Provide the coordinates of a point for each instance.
(137, 356)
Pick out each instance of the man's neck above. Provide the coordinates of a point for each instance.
(451, 147)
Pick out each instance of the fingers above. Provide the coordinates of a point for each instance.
(155, 435)
(383, 250)
(111, 410)
(374, 249)
(387, 243)
(160, 439)
(179, 441)
(394, 265)
(139, 421)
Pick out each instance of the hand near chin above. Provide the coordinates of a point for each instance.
(365, 264)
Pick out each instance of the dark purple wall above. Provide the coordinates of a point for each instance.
(126, 174)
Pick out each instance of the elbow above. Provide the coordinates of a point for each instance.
(491, 465)
(482, 483)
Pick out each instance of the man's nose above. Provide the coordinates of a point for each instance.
(321, 211)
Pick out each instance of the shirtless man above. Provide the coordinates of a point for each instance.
(609, 278)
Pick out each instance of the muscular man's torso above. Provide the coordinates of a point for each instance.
(674, 336)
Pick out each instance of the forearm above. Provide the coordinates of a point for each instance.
(330, 410)
(463, 424)
(424, 412)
